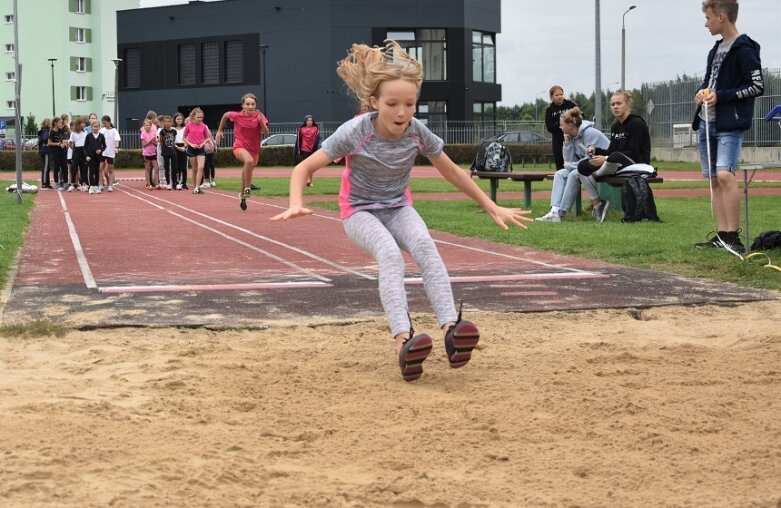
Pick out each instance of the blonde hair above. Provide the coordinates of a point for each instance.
(366, 68)
(728, 7)
(573, 116)
(248, 96)
(194, 112)
(627, 97)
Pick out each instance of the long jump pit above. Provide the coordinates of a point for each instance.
(214, 358)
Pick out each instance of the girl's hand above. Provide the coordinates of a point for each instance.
(89, 158)
(293, 212)
(502, 216)
(218, 137)
(98, 152)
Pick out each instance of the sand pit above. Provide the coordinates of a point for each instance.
(675, 406)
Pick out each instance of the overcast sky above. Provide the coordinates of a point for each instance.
(545, 42)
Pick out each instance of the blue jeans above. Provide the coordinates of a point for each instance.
(566, 187)
(724, 150)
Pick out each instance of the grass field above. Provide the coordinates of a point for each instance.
(15, 218)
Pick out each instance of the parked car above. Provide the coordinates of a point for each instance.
(31, 144)
(523, 137)
(279, 140)
(7, 143)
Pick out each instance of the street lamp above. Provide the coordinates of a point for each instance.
(54, 108)
(263, 48)
(623, 48)
(116, 61)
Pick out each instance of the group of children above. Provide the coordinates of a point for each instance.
(78, 154)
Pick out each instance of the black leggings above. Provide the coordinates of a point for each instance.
(94, 171)
(181, 167)
(59, 164)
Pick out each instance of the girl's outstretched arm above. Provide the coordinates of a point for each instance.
(301, 173)
(223, 121)
(458, 177)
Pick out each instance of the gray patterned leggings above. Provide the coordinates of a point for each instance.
(383, 233)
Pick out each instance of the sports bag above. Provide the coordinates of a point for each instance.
(492, 156)
(767, 240)
(637, 200)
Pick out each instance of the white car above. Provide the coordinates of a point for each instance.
(280, 140)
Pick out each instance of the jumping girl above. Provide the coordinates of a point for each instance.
(376, 204)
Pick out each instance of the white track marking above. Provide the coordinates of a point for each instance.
(233, 239)
(443, 242)
(509, 277)
(178, 288)
(266, 238)
(86, 273)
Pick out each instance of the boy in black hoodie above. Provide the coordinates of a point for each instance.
(733, 78)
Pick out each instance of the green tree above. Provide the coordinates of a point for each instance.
(30, 127)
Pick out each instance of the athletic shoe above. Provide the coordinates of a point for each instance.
(168, 187)
(242, 201)
(600, 210)
(246, 192)
(110, 188)
(91, 190)
(70, 188)
(98, 190)
(711, 243)
(205, 185)
(412, 354)
(549, 217)
(213, 184)
(730, 240)
(254, 187)
(46, 187)
(197, 190)
(185, 187)
(178, 186)
(460, 339)
(83, 188)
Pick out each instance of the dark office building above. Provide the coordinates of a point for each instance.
(209, 54)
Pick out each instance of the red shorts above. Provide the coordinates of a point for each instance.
(255, 156)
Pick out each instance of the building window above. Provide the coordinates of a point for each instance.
(187, 64)
(81, 93)
(79, 8)
(80, 35)
(234, 61)
(132, 64)
(81, 64)
(10, 76)
(428, 46)
(484, 113)
(10, 104)
(483, 57)
(433, 114)
(210, 63)
(9, 18)
(9, 48)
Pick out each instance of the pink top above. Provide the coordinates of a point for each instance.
(308, 137)
(196, 133)
(247, 130)
(151, 148)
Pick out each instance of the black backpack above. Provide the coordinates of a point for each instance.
(637, 200)
(492, 156)
(767, 240)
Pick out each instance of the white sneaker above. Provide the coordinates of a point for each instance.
(549, 217)
(205, 185)
(91, 190)
(178, 186)
(213, 184)
(168, 187)
(110, 188)
(98, 190)
(70, 188)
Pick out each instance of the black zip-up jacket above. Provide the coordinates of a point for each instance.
(738, 83)
(631, 138)
(94, 143)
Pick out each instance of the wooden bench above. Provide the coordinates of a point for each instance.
(613, 181)
(526, 178)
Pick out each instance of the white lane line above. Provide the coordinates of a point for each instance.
(451, 244)
(86, 273)
(180, 288)
(509, 277)
(233, 239)
(305, 253)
